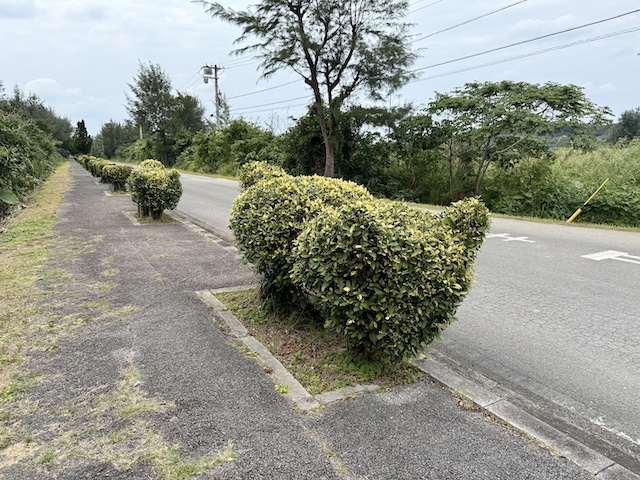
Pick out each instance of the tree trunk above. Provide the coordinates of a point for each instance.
(330, 157)
(329, 147)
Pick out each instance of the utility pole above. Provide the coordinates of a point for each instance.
(212, 73)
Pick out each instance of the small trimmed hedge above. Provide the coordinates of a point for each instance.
(117, 176)
(251, 173)
(154, 189)
(386, 277)
(268, 216)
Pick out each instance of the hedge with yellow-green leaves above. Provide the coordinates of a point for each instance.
(154, 188)
(269, 215)
(386, 276)
(252, 172)
(117, 176)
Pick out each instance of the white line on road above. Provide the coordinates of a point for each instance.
(506, 237)
(613, 255)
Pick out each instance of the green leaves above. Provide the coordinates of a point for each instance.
(268, 216)
(8, 197)
(385, 275)
(388, 292)
(504, 122)
(252, 172)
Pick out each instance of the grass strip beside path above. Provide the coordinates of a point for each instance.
(25, 247)
(320, 360)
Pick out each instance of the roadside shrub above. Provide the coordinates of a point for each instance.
(468, 222)
(83, 159)
(154, 189)
(151, 164)
(251, 172)
(387, 277)
(95, 166)
(117, 176)
(617, 205)
(268, 216)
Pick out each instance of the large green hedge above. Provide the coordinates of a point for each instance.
(252, 172)
(117, 176)
(27, 156)
(387, 276)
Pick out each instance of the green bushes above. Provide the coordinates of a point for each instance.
(250, 173)
(386, 276)
(556, 187)
(117, 176)
(155, 188)
(267, 218)
(95, 166)
(28, 155)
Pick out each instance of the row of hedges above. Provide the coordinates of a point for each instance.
(153, 187)
(107, 171)
(387, 276)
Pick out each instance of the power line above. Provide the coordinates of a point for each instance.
(188, 81)
(193, 84)
(275, 109)
(468, 21)
(422, 8)
(530, 54)
(268, 104)
(526, 41)
(253, 62)
(238, 60)
(264, 90)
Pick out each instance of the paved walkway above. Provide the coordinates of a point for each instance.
(146, 369)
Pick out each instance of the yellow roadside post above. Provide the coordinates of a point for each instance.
(579, 211)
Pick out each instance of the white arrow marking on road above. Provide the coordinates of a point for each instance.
(507, 238)
(613, 255)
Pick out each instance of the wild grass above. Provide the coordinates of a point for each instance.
(555, 188)
(25, 246)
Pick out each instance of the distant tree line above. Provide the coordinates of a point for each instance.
(475, 140)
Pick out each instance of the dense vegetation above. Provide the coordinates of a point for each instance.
(531, 150)
(33, 140)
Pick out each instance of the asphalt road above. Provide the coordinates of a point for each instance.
(552, 322)
(208, 200)
(555, 319)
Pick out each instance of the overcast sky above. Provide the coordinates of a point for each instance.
(79, 55)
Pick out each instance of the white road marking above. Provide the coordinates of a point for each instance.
(506, 237)
(613, 255)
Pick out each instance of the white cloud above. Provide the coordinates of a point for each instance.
(17, 9)
(592, 89)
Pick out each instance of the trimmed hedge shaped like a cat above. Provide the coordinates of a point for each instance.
(387, 276)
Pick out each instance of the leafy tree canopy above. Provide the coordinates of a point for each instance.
(171, 119)
(628, 126)
(152, 101)
(81, 140)
(503, 122)
(337, 47)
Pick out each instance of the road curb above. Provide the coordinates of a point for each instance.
(296, 392)
(558, 442)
